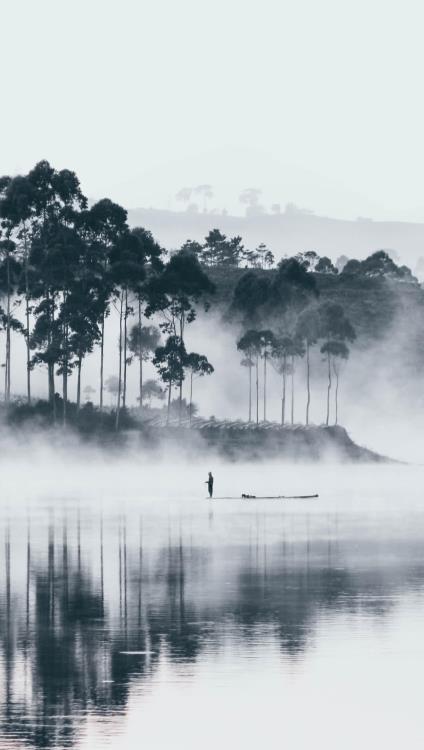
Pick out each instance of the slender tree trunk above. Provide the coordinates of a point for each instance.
(49, 369)
(250, 393)
(102, 347)
(7, 368)
(79, 383)
(336, 373)
(50, 364)
(140, 356)
(124, 392)
(169, 402)
(27, 334)
(191, 393)
(118, 404)
(308, 382)
(257, 389)
(181, 367)
(65, 395)
(51, 383)
(328, 389)
(8, 331)
(5, 373)
(49, 377)
(50, 319)
(51, 387)
(52, 368)
(265, 357)
(28, 352)
(65, 372)
(292, 390)
(8, 364)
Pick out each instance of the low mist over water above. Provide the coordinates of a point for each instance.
(125, 590)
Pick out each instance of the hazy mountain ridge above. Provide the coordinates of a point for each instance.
(289, 232)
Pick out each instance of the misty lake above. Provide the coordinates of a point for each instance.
(134, 613)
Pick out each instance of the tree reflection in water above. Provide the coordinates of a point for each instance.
(87, 608)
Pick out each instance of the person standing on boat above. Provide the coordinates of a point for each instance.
(210, 484)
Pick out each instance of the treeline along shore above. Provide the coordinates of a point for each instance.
(65, 265)
(236, 441)
(211, 439)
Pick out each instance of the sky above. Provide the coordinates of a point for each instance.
(316, 102)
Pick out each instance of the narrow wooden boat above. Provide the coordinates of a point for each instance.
(266, 497)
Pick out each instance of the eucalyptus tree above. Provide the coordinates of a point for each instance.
(84, 306)
(169, 361)
(339, 351)
(267, 343)
(56, 199)
(104, 224)
(292, 290)
(143, 342)
(151, 265)
(175, 294)
(297, 351)
(309, 330)
(198, 366)
(220, 250)
(334, 351)
(280, 359)
(82, 299)
(75, 309)
(261, 257)
(251, 345)
(50, 333)
(249, 363)
(9, 279)
(126, 266)
(308, 259)
(336, 330)
(16, 212)
(140, 261)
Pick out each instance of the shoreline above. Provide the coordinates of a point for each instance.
(234, 440)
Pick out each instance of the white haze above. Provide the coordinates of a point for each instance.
(314, 102)
(66, 470)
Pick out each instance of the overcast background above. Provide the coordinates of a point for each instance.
(314, 101)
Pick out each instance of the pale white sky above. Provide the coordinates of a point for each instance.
(319, 102)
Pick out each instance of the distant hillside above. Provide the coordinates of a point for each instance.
(371, 304)
(289, 232)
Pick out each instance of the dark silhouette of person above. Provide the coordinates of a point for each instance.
(210, 484)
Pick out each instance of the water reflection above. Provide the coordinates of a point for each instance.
(91, 604)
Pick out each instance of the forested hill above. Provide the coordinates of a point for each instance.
(67, 268)
(370, 302)
(288, 233)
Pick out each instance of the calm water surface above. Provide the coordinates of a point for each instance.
(149, 618)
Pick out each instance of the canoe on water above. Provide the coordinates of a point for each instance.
(266, 497)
